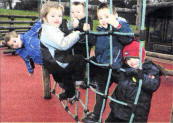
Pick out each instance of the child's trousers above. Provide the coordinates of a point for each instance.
(74, 71)
(112, 119)
(100, 76)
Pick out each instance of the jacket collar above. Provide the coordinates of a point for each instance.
(100, 28)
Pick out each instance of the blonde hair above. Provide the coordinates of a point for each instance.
(47, 6)
(10, 35)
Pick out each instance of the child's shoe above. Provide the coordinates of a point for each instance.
(91, 118)
(63, 96)
(78, 83)
(66, 94)
(83, 85)
(74, 98)
(93, 84)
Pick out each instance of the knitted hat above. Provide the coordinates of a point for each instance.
(132, 51)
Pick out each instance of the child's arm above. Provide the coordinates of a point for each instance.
(78, 24)
(73, 24)
(91, 38)
(64, 27)
(112, 20)
(34, 29)
(28, 61)
(151, 79)
(54, 38)
(120, 26)
(124, 28)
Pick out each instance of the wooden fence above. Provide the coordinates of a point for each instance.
(15, 22)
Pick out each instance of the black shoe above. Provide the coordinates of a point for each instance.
(66, 94)
(74, 98)
(83, 85)
(91, 118)
(93, 84)
(62, 96)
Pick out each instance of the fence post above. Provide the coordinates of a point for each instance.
(11, 24)
(46, 83)
(138, 16)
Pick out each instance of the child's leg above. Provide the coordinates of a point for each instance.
(100, 77)
(56, 77)
(77, 67)
(101, 85)
(94, 116)
(112, 119)
(68, 86)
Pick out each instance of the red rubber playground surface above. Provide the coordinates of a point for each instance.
(21, 96)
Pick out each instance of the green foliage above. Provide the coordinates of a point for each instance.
(18, 12)
(95, 24)
(66, 17)
(133, 27)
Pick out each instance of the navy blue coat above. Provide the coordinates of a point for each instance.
(126, 91)
(102, 49)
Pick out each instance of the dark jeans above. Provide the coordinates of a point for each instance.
(74, 71)
(100, 76)
(112, 119)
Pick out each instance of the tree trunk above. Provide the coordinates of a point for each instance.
(10, 3)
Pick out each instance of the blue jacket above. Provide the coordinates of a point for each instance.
(102, 49)
(30, 50)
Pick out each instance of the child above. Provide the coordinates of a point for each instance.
(55, 48)
(128, 85)
(78, 21)
(102, 53)
(27, 45)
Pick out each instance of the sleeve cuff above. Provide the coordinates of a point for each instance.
(119, 26)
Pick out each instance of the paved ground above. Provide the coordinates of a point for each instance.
(21, 96)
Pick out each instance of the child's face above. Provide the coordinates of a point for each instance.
(103, 16)
(106, 18)
(15, 42)
(54, 17)
(133, 62)
(77, 11)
